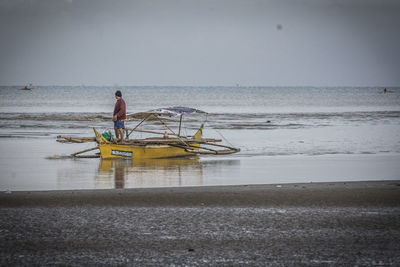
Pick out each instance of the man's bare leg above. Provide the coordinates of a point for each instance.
(116, 133)
(121, 132)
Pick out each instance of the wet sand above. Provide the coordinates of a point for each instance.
(352, 223)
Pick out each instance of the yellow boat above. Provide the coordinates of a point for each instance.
(150, 148)
(170, 145)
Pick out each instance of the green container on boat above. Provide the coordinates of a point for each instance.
(107, 135)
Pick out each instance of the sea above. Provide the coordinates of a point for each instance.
(285, 134)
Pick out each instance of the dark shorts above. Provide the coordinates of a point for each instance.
(119, 124)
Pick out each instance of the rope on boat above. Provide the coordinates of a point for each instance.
(223, 137)
(193, 149)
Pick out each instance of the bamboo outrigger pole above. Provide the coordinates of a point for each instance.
(83, 151)
(166, 126)
(180, 124)
(73, 139)
(145, 119)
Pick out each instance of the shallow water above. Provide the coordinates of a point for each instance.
(24, 166)
(285, 135)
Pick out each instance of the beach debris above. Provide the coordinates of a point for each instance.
(191, 249)
(279, 185)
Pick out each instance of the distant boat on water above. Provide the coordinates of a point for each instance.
(27, 88)
(386, 91)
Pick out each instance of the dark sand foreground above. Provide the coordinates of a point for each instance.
(353, 223)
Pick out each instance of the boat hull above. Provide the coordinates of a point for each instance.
(110, 150)
(115, 151)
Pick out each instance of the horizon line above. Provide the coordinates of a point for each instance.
(199, 86)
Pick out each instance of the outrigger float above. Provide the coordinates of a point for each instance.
(169, 145)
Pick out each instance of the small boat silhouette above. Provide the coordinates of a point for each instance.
(26, 88)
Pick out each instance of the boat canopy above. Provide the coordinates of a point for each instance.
(175, 111)
(170, 112)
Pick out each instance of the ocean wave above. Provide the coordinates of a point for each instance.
(72, 116)
(305, 115)
(256, 126)
(316, 153)
(219, 121)
(54, 117)
(253, 153)
(95, 117)
(29, 135)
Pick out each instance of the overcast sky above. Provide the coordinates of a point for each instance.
(204, 42)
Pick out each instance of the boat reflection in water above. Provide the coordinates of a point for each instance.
(126, 173)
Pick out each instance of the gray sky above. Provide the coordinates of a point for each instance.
(204, 42)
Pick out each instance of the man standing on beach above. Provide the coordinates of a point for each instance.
(119, 116)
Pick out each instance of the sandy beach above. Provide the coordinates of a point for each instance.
(351, 223)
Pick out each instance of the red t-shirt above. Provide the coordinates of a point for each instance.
(120, 109)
